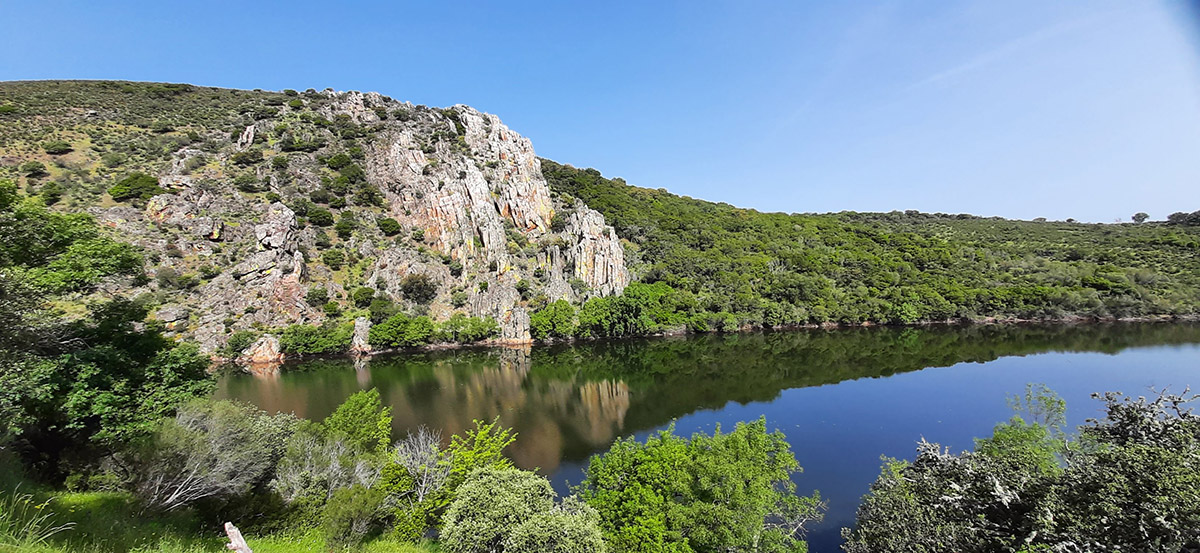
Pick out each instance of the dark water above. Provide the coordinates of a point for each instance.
(843, 397)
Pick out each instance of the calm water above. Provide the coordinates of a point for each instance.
(843, 397)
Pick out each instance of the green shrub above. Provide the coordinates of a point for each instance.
(240, 340)
(51, 193)
(401, 331)
(333, 258)
(556, 320)
(307, 339)
(316, 296)
(33, 169)
(349, 516)
(135, 186)
(419, 288)
(57, 147)
(362, 296)
(249, 182)
(388, 226)
(464, 330)
(346, 225)
(320, 217)
(279, 163)
(381, 309)
(362, 422)
(338, 161)
(248, 157)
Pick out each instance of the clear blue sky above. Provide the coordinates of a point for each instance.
(1019, 108)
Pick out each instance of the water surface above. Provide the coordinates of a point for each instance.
(843, 397)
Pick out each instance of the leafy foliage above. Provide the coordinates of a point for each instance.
(136, 186)
(743, 267)
(306, 339)
(710, 493)
(1124, 484)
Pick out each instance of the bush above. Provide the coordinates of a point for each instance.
(401, 331)
(381, 309)
(333, 258)
(248, 157)
(346, 225)
(279, 163)
(349, 516)
(419, 288)
(306, 339)
(572, 527)
(725, 492)
(51, 193)
(489, 505)
(135, 186)
(338, 161)
(248, 182)
(320, 216)
(388, 226)
(316, 296)
(210, 449)
(464, 330)
(557, 320)
(57, 147)
(33, 169)
(362, 422)
(240, 340)
(362, 296)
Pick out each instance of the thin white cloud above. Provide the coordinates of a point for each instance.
(1009, 49)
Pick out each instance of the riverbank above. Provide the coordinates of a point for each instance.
(273, 361)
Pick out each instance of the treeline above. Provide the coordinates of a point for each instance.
(740, 267)
(1125, 482)
(396, 331)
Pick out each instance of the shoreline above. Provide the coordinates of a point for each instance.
(259, 366)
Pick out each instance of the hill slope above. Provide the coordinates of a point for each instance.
(257, 210)
(737, 267)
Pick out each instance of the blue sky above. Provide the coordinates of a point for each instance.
(1016, 108)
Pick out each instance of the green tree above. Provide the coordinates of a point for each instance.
(135, 186)
(320, 216)
(556, 320)
(418, 288)
(1140, 217)
(362, 421)
(388, 226)
(362, 296)
(333, 258)
(709, 493)
(57, 147)
(489, 505)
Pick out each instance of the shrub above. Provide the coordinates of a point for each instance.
(349, 516)
(362, 422)
(458, 299)
(418, 235)
(33, 169)
(338, 161)
(333, 258)
(401, 331)
(489, 505)
(248, 157)
(320, 216)
(381, 309)
(362, 296)
(210, 449)
(316, 296)
(464, 330)
(346, 225)
(296, 103)
(249, 182)
(557, 320)
(135, 186)
(240, 340)
(419, 288)
(306, 339)
(51, 193)
(57, 147)
(572, 527)
(388, 226)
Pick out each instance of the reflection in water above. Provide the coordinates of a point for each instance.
(569, 401)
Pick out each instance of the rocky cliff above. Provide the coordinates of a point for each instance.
(437, 210)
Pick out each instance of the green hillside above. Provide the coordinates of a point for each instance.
(732, 266)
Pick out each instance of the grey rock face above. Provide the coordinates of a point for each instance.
(362, 329)
(467, 191)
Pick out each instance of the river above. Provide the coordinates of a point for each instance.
(843, 397)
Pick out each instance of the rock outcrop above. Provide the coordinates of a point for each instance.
(242, 234)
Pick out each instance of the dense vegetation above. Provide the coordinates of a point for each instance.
(1126, 482)
(728, 267)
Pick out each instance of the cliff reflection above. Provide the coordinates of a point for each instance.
(569, 401)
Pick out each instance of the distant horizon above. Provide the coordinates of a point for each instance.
(1081, 111)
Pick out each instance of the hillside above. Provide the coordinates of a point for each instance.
(258, 210)
(736, 267)
(376, 223)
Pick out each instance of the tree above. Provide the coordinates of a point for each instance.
(135, 186)
(362, 421)
(1124, 484)
(1140, 217)
(418, 288)
(556, 320)
(210, 449)
(362, 296)
(346, 225)
(316, 296)
(489, 505)
(708, 493)
(388, 226)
